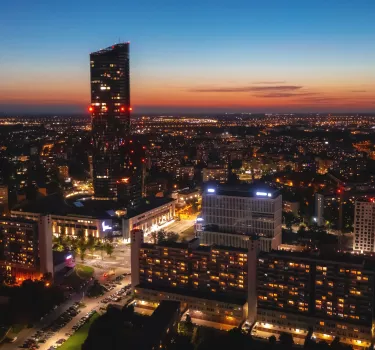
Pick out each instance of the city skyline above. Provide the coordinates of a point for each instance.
(252, 57)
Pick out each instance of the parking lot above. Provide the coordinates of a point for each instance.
(69, 322)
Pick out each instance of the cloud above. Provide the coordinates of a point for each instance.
(358, 91)
(280, 88)
(321, 99)
(286, 94)
(269, 82)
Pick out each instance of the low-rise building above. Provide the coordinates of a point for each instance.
(184, 172)
(291, 207)
(219, 174)
(151, 216)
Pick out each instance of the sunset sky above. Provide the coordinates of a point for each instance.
(192, 56)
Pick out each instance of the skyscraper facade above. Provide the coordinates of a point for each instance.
(117, 160)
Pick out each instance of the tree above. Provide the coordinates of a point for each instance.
(161, 235)
(58, 247)
(83, 249)
(172, 237)
(100, 247)
(272, 340)
(286, 339)
(91, 244)
(109, 249)
(154, 236)
(301, 230)
(80, 234)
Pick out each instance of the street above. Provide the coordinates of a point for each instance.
(180, 226)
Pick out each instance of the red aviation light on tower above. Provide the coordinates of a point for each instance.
(122, 109)
(130, 109)
(91, 109)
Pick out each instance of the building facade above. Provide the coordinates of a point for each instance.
(4, 201)
(25, 249)
(118, 160)
(219, 174)
(291, 207)
(211, 281)
(332, 295)
(364, 225)
(242, 210)
(150, 219)
(319, 209)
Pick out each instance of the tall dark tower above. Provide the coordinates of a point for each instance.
(114, 174)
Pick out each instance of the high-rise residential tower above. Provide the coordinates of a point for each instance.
(117, 161)
(364, 225)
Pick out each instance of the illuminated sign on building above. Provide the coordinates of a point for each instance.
(263, 194)
(105, 227)
(211, 190)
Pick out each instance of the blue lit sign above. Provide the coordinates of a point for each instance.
(263, 194)
(211, 190)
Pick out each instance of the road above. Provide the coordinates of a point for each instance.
(91, 304)
(180, 226)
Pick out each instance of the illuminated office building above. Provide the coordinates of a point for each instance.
(231, 214)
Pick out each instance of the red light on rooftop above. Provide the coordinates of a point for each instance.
(143, 160)
(122, 109)
(130, 108)
(91, 109)
(338, 191)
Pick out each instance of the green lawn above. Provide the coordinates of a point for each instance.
(84, 271)
(78, 338)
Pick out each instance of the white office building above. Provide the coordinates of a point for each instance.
(231, 214)
(364, 225)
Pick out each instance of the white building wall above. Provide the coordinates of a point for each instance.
(247, 215)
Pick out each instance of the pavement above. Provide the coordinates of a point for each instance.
(180, 226)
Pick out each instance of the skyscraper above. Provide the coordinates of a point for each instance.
(117, 160)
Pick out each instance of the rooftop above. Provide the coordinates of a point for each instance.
(103, 209)
(111, 48)
(225, 298)
(342, 258)
(261, 190)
